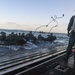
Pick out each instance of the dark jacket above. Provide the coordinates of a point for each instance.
(70, 23)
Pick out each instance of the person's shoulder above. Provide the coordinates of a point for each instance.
(73, 16)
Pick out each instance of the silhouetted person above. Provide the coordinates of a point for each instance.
(40, 38)
(71, 34)
(30, 37)
(23, 35)
(19, 36)
(50, 37)
(3, 36)
(12, 36)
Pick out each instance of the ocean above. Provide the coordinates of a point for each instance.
(11, 51)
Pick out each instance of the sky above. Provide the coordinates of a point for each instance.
(31, 14)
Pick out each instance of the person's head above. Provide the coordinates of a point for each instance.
(22, 33)
(30, 32)
(19, 33)
(12, 32)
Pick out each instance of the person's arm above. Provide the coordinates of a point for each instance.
(69, 26)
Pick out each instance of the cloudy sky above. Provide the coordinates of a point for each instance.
(30, 14)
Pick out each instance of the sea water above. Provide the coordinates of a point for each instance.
(29, 48)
